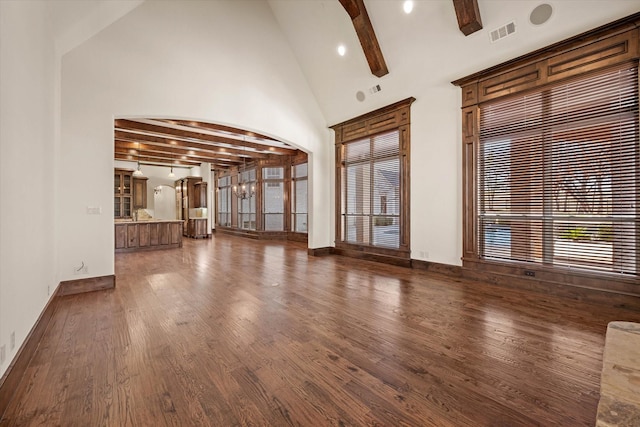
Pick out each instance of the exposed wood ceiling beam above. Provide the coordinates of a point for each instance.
(352, 8)
(171, 157)
(185, 143)
(176, 142)
(165, 161)
(468, 15)
(215, 127)
(172, 152)
(367, 36)
(179, 133)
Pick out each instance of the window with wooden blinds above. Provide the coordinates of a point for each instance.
(371, 191)
(558, 175)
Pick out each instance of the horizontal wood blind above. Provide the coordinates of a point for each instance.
(558, 174)
(371, 192)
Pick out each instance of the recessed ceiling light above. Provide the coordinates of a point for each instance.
(342, 50)
(408, 6)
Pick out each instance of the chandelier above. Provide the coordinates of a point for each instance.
(243, 191)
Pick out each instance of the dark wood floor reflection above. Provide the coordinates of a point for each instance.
(230, 331)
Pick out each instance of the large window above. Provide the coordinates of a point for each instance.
(299, 179)
(372, 183)
(551, 164)
(247, 206)
(371, 191)
(224, 201)
(558, 174)
(273, 198)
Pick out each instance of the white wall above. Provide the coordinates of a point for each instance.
(27, 169)
(424, 52)
(201, 60)
(164, 202)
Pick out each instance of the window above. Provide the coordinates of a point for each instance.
(224, 201)
(273, 199)
(372, 184)
(247, 207)
(371, 175)
(558, 174)
(299, 181)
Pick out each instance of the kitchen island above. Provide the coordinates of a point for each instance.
(147, 235)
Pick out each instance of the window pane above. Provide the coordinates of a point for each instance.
(558, 173)
(301, 196)
(358, 189)
(357, 229)
(273, 205)
(274, 222)
(300, 171)
(300, 221)
(386, 187)
(371, 191)
(273, 173)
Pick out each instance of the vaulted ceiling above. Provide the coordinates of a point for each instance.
(422, 52)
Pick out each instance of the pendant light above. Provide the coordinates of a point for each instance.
(171, 174)
(138, 172)
(242, 190)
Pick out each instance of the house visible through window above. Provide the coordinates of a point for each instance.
(558, 173)
(372, 184)
(371, 191)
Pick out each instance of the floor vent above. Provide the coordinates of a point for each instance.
(502, 32)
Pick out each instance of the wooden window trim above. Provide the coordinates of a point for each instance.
(392, 117)
(286, 162)
(604, 47)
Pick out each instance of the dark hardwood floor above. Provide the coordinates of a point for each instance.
(231, 331)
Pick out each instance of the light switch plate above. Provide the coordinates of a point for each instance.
(94, 210)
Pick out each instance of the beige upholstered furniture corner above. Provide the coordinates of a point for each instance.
(620, 383)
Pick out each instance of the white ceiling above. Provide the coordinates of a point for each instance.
(422, 50)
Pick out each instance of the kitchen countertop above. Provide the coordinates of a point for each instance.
(144, 221)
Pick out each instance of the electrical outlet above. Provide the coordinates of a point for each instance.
(12, 341)
(530, 273)
(3, 354)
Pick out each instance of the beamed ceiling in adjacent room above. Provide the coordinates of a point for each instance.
(185, 143)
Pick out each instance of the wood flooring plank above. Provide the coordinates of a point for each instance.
(230, 331)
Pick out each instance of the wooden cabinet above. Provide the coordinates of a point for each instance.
(123, 192)
(146, 235)
(191, 193)
(197, 228)
(200, 195)
(121, 236)
(139, 192)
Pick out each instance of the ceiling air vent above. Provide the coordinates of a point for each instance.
(502, 32)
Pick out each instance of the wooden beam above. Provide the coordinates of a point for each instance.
(167, 132)
(123, 142)
(171, 157)
(177, 142)
(468, 15)
(166, 162)
(367, 36)
(352, 8)
(218, 128)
